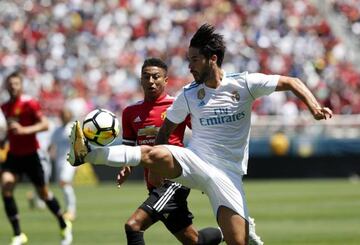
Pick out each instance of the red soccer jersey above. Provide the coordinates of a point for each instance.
(26, 111)
(142, 121)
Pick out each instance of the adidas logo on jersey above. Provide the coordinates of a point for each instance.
(137, 119)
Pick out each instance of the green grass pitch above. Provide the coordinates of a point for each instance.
(302, 212)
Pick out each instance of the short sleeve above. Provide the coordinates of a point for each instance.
(36, 108)
(260, 84)
(128, 135)
(179, 110)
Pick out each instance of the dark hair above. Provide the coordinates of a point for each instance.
(209, 43)
(154, 62)
(13, 74)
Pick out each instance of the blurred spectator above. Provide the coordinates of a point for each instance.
(86, 52)
(350, 9)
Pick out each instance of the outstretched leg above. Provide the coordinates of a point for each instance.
(157, 158)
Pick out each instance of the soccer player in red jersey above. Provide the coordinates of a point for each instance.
(24, 119)
(167, 199)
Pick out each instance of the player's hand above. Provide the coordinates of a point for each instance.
(321, 113)
(123, 175)
(16, 128)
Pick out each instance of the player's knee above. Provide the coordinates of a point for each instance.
(63, 183)
(132, 225)
(146, 154)
(157, 154)
(7, 179)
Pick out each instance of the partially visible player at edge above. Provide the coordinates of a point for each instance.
(216, 158)
(24, 119)
(167, 199)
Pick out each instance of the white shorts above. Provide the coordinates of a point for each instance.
(65, 172)
(223, 187)
(45, 163)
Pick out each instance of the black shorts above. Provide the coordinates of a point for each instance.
(168, 204)
(29, 165)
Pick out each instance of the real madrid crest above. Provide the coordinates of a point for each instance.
(235, 95)
(201, 94)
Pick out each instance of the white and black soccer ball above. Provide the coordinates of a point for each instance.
(101, 127)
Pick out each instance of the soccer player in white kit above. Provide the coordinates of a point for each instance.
(216, 158)
(59, 146)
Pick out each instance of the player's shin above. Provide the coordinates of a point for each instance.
(135, 237)
(115, 156)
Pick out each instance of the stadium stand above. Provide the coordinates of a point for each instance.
(86, 53)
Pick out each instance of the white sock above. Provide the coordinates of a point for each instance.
(115, 156)
(70, 198)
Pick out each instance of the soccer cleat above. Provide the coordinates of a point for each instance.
(66, 234)
(254, 239)
(18, 240)
(79, 148)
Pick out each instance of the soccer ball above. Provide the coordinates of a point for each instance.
(100, 127)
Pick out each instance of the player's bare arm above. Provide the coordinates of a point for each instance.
(304, 94)
(165, 131)
(40, 126)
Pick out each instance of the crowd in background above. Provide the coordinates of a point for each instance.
(88, 53)
(350, 10)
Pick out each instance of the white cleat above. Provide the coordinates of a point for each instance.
(19, 240)
(254, 239)
(66, 234)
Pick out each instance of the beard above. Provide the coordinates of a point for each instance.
(202, 77)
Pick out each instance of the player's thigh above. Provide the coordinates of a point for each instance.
(234, 227)
(173, 210)
(35, 170)
(194, 171)
(161, 161)
(225, 188)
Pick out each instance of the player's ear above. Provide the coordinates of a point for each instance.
(166, 79)
(213, 59)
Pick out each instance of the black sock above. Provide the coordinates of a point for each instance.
(210, 236)
(54, 207)
(135, 237)
(12, 214)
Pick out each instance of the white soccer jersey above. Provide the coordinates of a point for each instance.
(221, 117)
(60, 138)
